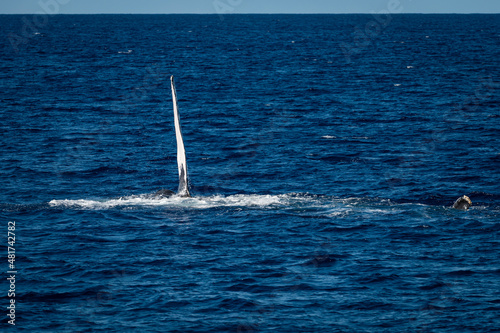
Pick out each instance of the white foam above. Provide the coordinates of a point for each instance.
(330, 206)
(239, 200)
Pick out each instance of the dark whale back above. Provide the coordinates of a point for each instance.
(163, 193)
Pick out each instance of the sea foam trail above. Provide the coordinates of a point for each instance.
(330, 206)
(239, 200)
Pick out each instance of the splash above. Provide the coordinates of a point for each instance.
(290, 203)
(239, 200)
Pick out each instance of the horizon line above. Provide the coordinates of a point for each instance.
(350, 13)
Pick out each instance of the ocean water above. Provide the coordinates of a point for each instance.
(324, 154)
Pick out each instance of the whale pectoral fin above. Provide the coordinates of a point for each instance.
(181, 152)
(183, 182)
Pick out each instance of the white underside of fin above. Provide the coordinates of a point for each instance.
(181, 152)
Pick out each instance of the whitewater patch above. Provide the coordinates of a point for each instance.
(238, 200)
(291, 203)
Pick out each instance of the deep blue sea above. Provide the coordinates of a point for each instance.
(324, 155)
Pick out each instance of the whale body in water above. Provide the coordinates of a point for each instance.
(183, 190)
